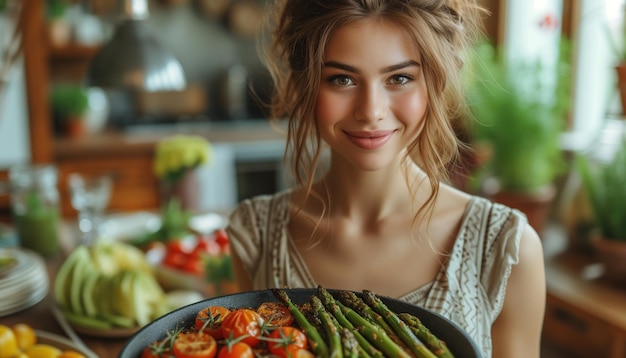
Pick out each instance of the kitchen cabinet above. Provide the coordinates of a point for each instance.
(134, 185)
(585, 314)
(587, 317)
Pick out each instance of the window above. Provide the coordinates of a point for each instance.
(530, 32)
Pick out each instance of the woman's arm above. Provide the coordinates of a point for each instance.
(517, 330)
(242, 278)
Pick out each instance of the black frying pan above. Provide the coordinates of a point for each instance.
(459, 343)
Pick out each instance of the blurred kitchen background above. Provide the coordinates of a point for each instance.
(214, 87)
(72, 98)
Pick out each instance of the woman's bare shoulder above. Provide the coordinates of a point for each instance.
(451, 199)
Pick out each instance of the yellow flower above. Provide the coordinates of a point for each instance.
(177, 154)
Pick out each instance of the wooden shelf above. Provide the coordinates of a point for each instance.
(73, 52)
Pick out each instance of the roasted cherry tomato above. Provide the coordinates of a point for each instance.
(205, 246)
(193, 266)
(242, 322)
(237, 350)
(8, 342)
(175, 259)
(275, 313)
(24, 335)
(286, 341)
(176, 246)
(301, 353)
(221, 238)
(211, 319)
(156, 349)
(149, 353)
(194, 345)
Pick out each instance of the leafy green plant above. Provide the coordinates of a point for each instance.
(518, 118)
(174, 225)
(69, 101)
(55, 9)
(605, 187)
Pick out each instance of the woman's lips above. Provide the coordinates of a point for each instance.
(370, 140)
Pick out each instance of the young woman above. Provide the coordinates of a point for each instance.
(377, 82)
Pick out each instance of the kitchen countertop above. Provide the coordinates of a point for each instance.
(142, 138)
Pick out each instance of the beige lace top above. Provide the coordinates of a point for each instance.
(469, 290)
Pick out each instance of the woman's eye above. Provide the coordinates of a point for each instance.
(341, 80)
(399, 79)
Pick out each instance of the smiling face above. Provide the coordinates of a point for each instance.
(372, 96)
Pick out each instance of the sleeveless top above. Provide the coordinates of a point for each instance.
(469, 289)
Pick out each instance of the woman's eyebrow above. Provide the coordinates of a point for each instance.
(341, 66)
(346, 67)
(399, 66)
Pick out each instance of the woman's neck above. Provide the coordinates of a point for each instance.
(373, 195)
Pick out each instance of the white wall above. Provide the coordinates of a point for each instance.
(14, 140)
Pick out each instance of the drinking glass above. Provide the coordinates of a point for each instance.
(35, 207)
(90, 197)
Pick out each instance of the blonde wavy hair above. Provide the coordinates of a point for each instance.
(299, 30)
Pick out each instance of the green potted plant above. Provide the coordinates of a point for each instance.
(70, 103)
(518, 123)
(59, 29)
(605, 189)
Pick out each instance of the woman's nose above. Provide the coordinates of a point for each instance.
(372, 104)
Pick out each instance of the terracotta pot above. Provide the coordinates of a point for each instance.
(612, 254)
(75, 127)
(535, 205)
(621, 84)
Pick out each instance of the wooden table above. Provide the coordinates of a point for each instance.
(41, 317)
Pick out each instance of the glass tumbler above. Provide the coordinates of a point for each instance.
(35, 207)
(90, 197)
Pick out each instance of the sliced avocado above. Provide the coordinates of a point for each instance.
(76, 285)
(119, 321)
(62, 282)
(88, 290)
(84, 321)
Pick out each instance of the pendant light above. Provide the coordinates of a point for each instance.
(134, 58)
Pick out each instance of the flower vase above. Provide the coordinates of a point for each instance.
(186, 189)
